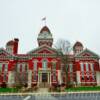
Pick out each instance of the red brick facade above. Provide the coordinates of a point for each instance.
(44, 66)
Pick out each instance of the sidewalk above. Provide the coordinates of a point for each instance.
(48, 93)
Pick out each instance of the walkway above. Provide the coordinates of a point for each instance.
(42, 90)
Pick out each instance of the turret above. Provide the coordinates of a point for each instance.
(78, 47)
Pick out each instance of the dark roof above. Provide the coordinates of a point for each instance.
(78, 44)
(88, 51)
(45, 28)
(11, 42)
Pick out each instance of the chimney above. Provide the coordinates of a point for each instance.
(16, 40)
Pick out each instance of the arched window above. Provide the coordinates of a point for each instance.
(44, 64)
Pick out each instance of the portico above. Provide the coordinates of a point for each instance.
(44, 78)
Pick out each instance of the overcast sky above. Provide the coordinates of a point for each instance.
(73, 20)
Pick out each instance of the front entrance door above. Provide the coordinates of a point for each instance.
(44, 79)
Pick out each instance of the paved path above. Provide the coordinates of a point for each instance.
(75, 96)
(42, 90)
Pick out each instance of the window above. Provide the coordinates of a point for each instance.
(6, 68)
(82, 76)
(26, 67)
(35, 64)
(34, 76)
(87, 77)
(82, 67)
(4, 77)
(93, 77)
(54, 65)
(0, 67)
(44, 64)
(62, 67)
(87, 67)
(18, 67)
(54, 76)
(23, 67)
(71, 67)
(92, 67)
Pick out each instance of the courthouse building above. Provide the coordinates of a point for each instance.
(44, 66)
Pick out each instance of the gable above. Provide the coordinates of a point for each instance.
(87, 53)
(43, 49)
(4, 52)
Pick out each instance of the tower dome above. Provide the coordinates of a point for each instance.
(45, 37)
(45, 28)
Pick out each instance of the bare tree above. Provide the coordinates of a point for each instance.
(21, 77)
(63, 45)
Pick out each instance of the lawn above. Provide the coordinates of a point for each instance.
(8, 90)
(97, 88)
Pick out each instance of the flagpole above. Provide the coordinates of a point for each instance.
(44, 20)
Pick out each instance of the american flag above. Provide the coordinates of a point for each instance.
(44, 18)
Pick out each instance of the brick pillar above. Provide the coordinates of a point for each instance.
(11, 79)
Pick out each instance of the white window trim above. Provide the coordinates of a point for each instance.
(82, 66)
(35, 64)
(87, 66)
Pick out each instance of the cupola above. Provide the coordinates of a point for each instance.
(45, 37)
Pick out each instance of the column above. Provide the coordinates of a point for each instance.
(50, 79)
(78, 77)
(29, 78)
(11, 79)
(59, 77)
(38, 78)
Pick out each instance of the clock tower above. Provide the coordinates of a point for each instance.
(45, 37)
